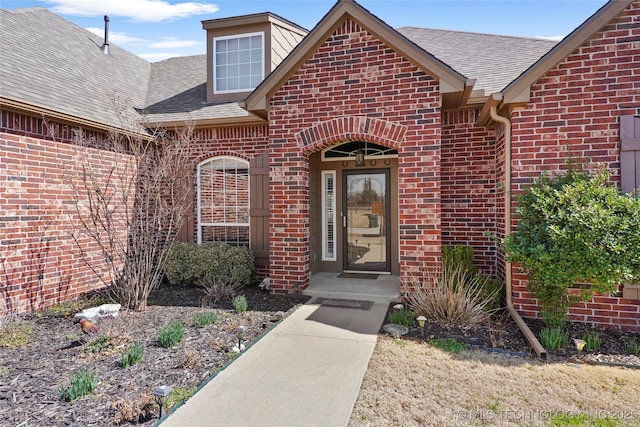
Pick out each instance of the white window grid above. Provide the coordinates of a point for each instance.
(238, 62)
(329, 215)
(201, 223)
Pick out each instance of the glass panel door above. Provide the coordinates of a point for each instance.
(365, 219)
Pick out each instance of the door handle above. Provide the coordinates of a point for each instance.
(344, 221)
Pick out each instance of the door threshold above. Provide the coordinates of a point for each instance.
(367, 272)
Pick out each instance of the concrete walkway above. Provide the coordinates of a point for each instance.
(307, 371)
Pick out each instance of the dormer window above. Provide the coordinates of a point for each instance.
(238, 62)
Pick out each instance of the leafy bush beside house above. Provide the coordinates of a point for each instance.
(574, 228)
(220, 269)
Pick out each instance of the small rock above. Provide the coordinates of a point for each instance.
(95, 313)
(393, 329)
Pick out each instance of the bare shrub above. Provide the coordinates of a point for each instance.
(130, 195)
(190, 359)
(136, 409)
(456, 298)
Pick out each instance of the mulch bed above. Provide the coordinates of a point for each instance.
(501, 334)
(30, 377)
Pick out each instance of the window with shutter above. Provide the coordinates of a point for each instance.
(630, 153)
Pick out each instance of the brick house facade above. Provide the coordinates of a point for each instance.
(435, 160)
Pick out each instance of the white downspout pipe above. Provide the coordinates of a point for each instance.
(506, 124)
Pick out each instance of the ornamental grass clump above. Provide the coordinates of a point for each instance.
(203, 319)
(553, 338)
(82, 383)
(592, 341)
(456, 298)
(240, 304)
(132, 355)
(403, 317)
(171, 334)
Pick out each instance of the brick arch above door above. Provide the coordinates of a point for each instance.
(350, 128)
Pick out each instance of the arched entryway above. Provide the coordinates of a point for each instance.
(353, 193)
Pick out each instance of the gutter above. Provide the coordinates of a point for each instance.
(537, 347)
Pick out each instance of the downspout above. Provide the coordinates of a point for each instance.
(537, 347)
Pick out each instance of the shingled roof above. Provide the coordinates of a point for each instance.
(493, 60)
(52, 64)
(178, 92)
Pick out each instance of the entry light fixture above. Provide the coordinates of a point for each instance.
(360, 156)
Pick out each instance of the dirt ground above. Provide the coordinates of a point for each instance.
(408, 382)
(30, 376)
(411, 383)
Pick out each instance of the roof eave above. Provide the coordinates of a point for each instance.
(34, 110)
(518, 91)
(207, 122)
(450, 80)
(484, 118)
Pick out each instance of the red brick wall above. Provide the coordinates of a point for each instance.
(40, 263)
(574, 111)
(353, 75)
(243, 142)
(469, 186)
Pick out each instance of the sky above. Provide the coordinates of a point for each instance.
(160, 29)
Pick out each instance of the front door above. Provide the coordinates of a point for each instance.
(366, 220)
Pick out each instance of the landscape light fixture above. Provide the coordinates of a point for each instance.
(162, 394)
(421, 320)
(579, 344)
(240, 330)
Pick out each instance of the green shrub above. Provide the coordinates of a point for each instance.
(82, 384)
(457, 298)
(203, 319)
(553, 338)
(458, 256)
(633, 347)
(574, 228)
(592, 341)
(178, 267)
(220, 269)
(449, 344)
(240, 304)
(492, 292)
(132, 355)
(171, 334)
(461, 257)
(402, 317)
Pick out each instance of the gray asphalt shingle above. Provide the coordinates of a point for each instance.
(52, 63)
(494, 60)
(178, 91)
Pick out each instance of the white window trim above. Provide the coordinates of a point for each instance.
(237, 36)
(200, 224)
(325, 218)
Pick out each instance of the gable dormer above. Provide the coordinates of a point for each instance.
(243, 50)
